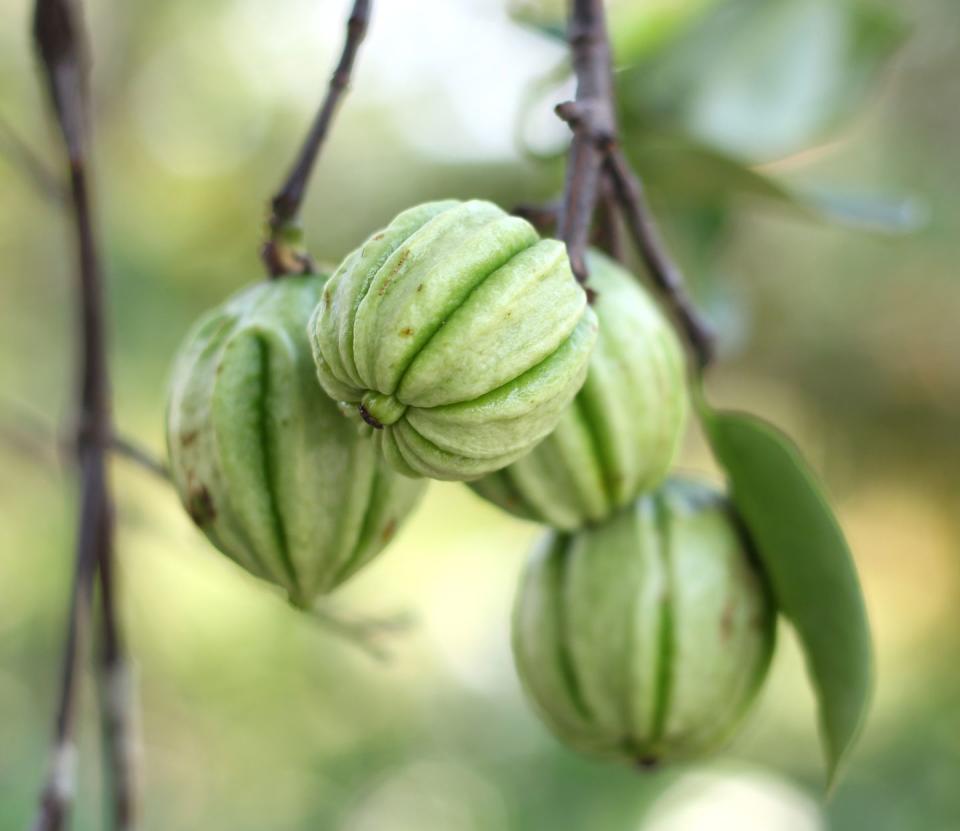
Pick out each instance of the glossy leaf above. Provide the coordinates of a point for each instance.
(811, 571)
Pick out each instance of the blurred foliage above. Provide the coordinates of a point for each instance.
(252, 717)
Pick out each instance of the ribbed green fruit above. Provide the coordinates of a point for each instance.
(646, 638)
(458, 334)
(263, 460)
(621, 433)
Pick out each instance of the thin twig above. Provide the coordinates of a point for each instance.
(591, 117)
(33, 168)
(595, 156)
(283, 252)
(60, 44)
(365, 633)
(663, 270)
(140, 456)
(28, 432)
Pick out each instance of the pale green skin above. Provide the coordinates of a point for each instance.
(460, 333)
(646, 638)
(621, 433)
(263, 460)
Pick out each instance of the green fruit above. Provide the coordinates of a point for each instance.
(456, 333)
(620, 435)
(263, 460)
(647, 637)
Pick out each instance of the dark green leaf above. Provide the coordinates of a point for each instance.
(809, 565)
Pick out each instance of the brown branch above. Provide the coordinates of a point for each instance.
(598, 175)
(663, 270)
(283, 253)
(60, 45)
(117, 708)
(608, 230)
(591, 117)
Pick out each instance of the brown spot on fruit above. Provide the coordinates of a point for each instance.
(420, 287)
(404, 256)
(200, 506)
(726, 622)
(406, 331)
(188, 438)
(388, 531)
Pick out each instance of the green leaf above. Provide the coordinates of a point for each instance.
(762, 79)
(809, 565)
(867, 212)
(690, 172)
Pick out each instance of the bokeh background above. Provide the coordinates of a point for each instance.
(802, 155)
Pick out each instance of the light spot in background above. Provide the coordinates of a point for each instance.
(457, 100)
(733, 801)
(467, 558)
(453, 76)
(429, 796)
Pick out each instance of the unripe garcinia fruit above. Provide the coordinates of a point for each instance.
(621, 433)
(458, 334)
(263, 460)
(646, 638)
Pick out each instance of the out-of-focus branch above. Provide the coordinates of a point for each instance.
(29, 433)
(284, 253)
(368, 634)
(61, 46)
(23, 159)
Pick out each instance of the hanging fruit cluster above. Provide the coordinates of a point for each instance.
(456, 344)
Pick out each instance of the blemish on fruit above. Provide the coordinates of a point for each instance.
(647, 762)
(200, 506)
(406, 331)
(388, 531)
(726, 621)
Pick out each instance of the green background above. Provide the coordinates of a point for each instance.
(750, 121)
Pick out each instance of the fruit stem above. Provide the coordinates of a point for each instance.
(284, 253)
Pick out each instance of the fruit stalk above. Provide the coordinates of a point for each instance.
(283, 253)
